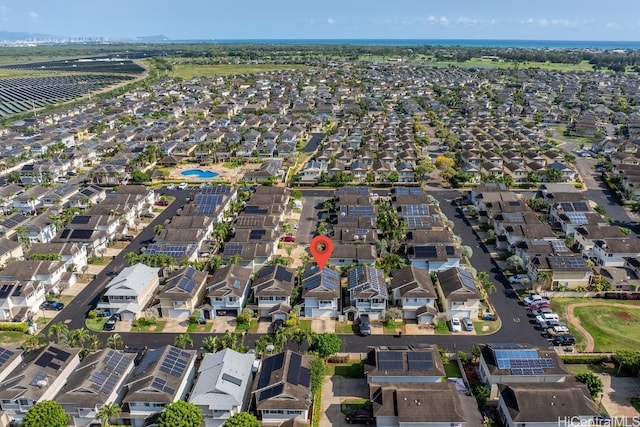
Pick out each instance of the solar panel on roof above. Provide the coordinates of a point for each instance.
(566, 206)
(186, 284)
(283, 274)
(581, 207)
(420, 361)
(425, 251)
(232, 379)
(257, 234)
(81, 234)
(416, 210)
(232, 249)
(295, 364)
(81, 219)
(390, 361)
(450, 250)
(5, 355)
(44, 360)
(271, 392)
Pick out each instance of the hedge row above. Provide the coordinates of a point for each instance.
(587, 358)
(14, 327)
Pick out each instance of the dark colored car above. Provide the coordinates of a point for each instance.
(288, 239)
(162, 203)
(564, 340)
(361, 416)
(364, 326)
(277, 324)
(52, 305)
(111, 323)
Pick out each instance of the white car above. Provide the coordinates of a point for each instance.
(534, 298)
(456, 325)
(517, 278)
(183, 186)
(171, 186)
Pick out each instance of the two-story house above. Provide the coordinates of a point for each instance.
(227, 291)
(182, 293)
(223, 385)
(367, 288)
(128, 294)
(20, 299)
(321, 293)
(458, 293)
(272, 288)
(413, 292)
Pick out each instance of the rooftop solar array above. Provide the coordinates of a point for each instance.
(327, 278)
(271, 364)
(467, 280)
(577, 218)
(425, 251)
(416, 210)
(364, 210)
(271, 392)
(218, 189)
(175, 362)
(175, 251)
(5, 355)
(504, 356)
(81, 219)
(257, 234)
(14, 221)
(298, 374)
(416, 222)
(420, 361)
(359, 281)
(408, 191)
(280, 273)
(65, 189)
(559, 246)
(566, 262)
(186, 281)
(390, 361)
(161, 385)
(52, 355)
(516, 217)
(232, 248)
(359, 191)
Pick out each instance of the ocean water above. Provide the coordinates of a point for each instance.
(532, 44)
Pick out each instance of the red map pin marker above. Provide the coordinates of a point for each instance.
(321, 248)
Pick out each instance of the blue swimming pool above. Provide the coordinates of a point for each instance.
(199, 173)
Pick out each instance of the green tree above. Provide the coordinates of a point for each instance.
(299, 336)
(58, 330)
(390, 262)
(242, 419)
(139, 176)
(593, 383)
(181, 414)
(210, 344)
(515, 261)
(327, 344)
(393, 228)
(183, 340)
(115, 341)
(46, 413)
(628, 359)
(108, 411)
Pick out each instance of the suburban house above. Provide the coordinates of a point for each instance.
(73, 255)
(566, 271)
(163, 376)
(128, 293)
(20, 299)
(10, 359)
(544, 404)
(9, 249)
(97, 381)
(283, 388)
(505, 363)
(586, 237)
(413, 292)
(227, 291)
(39, 377)
(272, 288)
(223, 385)
(182, 293)
(367, 289)
(402, 364)
(614, 252)
(50, 273)
(458, 293)
(321, 293)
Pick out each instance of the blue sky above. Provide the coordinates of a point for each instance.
(304, 19)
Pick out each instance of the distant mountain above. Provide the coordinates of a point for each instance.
(17, 36)
(156, 38)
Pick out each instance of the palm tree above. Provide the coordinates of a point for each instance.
(31, 343)
(210, 344)
(107, 411)
(79, 337)
(115, 341)
(183, 340)
(302, 335)
(94, 342)
(58, 330)
(546, 278)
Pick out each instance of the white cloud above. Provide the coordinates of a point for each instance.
(465, 20)
(331, 21)
(33, 14)
(4, 13)
(442, 20)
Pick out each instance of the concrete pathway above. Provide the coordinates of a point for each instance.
(618, 392)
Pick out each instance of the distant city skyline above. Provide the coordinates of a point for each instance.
(617, 20)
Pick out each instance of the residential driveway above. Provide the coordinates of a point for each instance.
(415, 329)
(617, 393)
(320, 326)
(336, 390)
(222, 324)
(263, 327)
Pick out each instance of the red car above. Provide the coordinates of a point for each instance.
(162, 203)
(288, 239)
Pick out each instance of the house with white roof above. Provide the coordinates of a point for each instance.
(130, 291)
(223, 385)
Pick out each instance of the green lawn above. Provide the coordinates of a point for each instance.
(96, 324)
(477, 62)
(452, 370)
(392, 328)
(486, 327)
(442, 328)
(612, 328)
(189, 71)
(252, 326)
(158, 327)
(352, 405)
(11, 337)
(195, 327)
(347, 370)
(304, 324)
(345, 328)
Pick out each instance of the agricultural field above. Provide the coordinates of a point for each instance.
(485, 63)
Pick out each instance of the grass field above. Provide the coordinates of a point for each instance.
(612, 328)
(12, 337)
(452, 370)
(559, 305)
(345, 328)
(189, 71)
(158, 327)
(347, 370)
(477, 62)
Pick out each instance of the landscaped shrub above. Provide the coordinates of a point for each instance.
(92, 314)
(144, 321)
(14, 327)
(337, 359)
(587, 359)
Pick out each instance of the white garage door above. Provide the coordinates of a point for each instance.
(178, 314)
(321, 313)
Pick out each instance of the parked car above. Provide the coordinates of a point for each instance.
(517, 278)
(51, 305)
(541, 311)
(277, 325)
(558, 330)
(361, 416)
(551, 324)
(534, 299)
(171, 186)
(149, 215)
(183, 186)
(456, 325)
(539, 305)
(364, 326)
(162, 203)
(111, 324)
(288, 239)
(468, 324)
(564, 340)
(547, 317)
